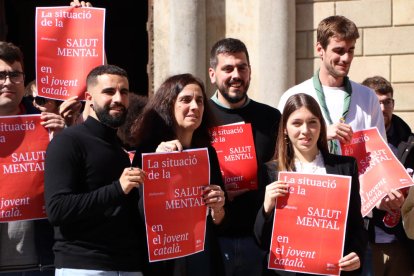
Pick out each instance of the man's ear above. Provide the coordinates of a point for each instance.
(88, 96)
(212, 75)
(319, 49)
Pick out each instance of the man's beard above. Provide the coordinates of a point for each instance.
(224, 91)
(109, 120)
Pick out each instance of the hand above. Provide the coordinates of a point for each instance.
(340, 131)
(70, 110)
(214, 197)
(169, 146)
(350, 262)
(76, 3)
(131, 178)
(392, 201)
(52, 121)
(274, 190)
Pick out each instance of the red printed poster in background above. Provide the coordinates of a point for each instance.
(310, 223)
(23, 143)
(237, 156)
(69, 43)
(175, 214)
(379, 169)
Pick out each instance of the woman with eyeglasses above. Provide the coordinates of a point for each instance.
(70, 110)
(41, 103)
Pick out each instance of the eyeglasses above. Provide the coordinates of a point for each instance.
(387, 102)
(15, 77)
(40, 100)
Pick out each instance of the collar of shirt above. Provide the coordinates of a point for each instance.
(215, 99)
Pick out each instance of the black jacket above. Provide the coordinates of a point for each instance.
(355, 236)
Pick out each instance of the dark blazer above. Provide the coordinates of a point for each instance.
(355, 236)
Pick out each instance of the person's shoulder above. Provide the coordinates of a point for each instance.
(365, 97)
(303, 87)
(65, 141)
(71, 133)
(263, 115)
(363, 90)
(398, 121)
(265, 108)
(300, 85)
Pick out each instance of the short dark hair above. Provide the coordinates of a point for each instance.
(157, 121)
(336, 26)
(379, 84)
(11, 53)
(225, 46)
(91, 79)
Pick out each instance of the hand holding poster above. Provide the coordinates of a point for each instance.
(23, 143)
(318, 206)
(175, 213)
(69, 43)
(237, 156)
(379, 170)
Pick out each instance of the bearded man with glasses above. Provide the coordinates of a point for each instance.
(25, 246)
(12, 89)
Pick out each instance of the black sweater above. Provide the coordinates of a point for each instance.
(264, 120)
(96, 225)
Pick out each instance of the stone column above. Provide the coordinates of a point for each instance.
(179, 38)
(267, 27)
(275, 49)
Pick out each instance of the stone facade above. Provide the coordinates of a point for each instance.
(182, 41)
(385, 47)
(185, 30)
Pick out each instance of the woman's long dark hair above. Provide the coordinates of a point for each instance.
(285, 154)
(157, 122)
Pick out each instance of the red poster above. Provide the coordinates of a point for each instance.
(175, 214)
(309, 224)
(22, 154)
(237, 156)
(379, 169)
(69, 43)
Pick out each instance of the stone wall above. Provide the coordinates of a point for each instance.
(385, 46)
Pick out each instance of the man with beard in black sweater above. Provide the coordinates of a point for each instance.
(230, 71)
(90, 187)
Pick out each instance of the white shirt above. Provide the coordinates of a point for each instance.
(364, 109)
